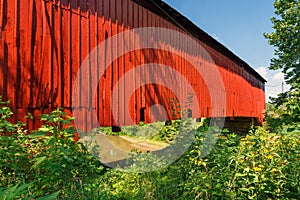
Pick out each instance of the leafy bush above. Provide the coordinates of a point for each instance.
(260, 165)
(48, 163)
(284, 118)
(13, 192)
(48, 157)
(168, 132)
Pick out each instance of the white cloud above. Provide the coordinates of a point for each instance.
(274, 79)
(278, 77)
(263, 72)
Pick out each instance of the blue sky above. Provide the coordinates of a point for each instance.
(239, 25)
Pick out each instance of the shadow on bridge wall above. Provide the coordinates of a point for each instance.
(43, 46)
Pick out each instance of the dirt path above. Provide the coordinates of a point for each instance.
(129, 144)
(113, 149)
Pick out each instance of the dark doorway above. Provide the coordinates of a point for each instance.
(142, 114)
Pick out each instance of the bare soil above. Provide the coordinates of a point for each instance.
(129, 144)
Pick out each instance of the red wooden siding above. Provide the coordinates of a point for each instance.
(44, 42)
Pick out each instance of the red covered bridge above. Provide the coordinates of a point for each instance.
(43, 44)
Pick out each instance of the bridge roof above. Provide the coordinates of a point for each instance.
(167, 12)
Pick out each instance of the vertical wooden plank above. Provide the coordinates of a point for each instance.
(138, 61)
(75, 42)
(2, 10)
(14, 56)
(11, 44)
(152, 77)
(115, 65)
(96, 73)
(229, 96)
(29, 64)
(175, 65)
(144, 71)
(100, 38)
(46, 50)
(167, 62)
(157, 89)
(38, 70)
(75, 38)
(142, 23)
(92, 44)
(131, 60)
(174, 62)
(125, 106)
(18, 91)
(57, 67)
(228, 91)
(160, 59)
(66, 86)
(130, 64)
(85, 88)
(2, 68)
(3, 53)
(135, 56)
(108, 71)
(119, 9)
(52, 66)
(84, 46)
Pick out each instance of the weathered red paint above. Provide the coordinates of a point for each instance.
(43, 43)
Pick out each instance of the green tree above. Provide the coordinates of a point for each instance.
(286, 40)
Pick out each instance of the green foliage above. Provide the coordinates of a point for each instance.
(48, 164)
(168, 132)
(14, 192)
(49, 158)
(256, 166)
(108, 131)
(5, 124)
(157, 131)
(261, 165)
(18, 192)
(285, 39)
(282, 118)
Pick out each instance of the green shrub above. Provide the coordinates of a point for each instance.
(260, 165)
(49, 157)
(48, 163)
